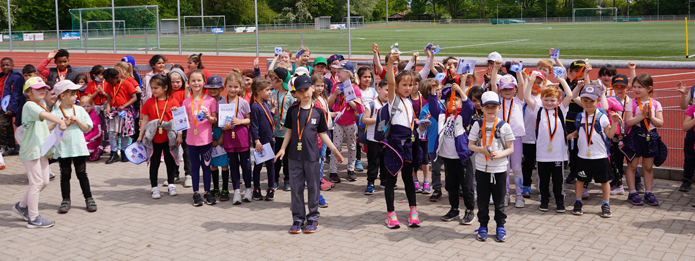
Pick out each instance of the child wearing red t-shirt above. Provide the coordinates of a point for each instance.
(119, 113)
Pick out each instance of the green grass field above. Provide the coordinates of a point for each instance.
(628, 41)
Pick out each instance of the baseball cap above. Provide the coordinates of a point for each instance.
(302, 82)
(591, 92)
(538, 73)
(619, 79)
(494, 56)
(335, 57)
(346, 65)
(284, 75)
(507, 82)
(301, 71)
(214, 82)
(65, 85)
(35, 83)
(319, 60)
(490, 97)
(129, 59)
(578, 64)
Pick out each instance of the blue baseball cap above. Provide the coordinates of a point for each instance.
(129, 59)
(214, 82)
(346, 65)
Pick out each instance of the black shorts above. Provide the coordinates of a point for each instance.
(597, 169)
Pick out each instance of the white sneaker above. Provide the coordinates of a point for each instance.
(166, 183)
(237, 197)
(519, 201)
(188, 183)
(155, 193)
(248, 195)
(172, 190)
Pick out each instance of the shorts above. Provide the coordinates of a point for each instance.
(640, 145)
(220, 161)
(597, 169)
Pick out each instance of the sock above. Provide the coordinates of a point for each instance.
(633, 191)
(426, 181)
(216, 179)
(578, 200)
(415, 180)
(647, 191)
(605, 202)
(225, 178)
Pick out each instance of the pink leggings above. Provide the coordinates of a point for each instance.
(38, 175)
(515, 166)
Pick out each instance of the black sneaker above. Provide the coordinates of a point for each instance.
(215, 192)
(685, 187)
(197, 200)
(224, 195)
(113, 158)
(257, 194)
(570, 178)
(451, 215)
(543, 207)
(334, 178)
(577, 208)
(460, 193)
(606, 211)
(210, 199)
(436, 195)
(270, 195)
(64, 206)
(91, 204)
(123, 157)
(352, 176)
(468, 217)
(560, 207)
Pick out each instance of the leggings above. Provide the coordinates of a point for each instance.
(81, 173)
(157, 149)
(284, 163)
(200, 157)
(407, 176)
(529, 163)
(515, 166)
(236, 160)
(114, 137)
(546, 171)
(345, 133)
(689, 156)
(38, 176)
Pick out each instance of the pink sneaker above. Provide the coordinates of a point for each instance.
(392, 221)
(418, 189)
(413, 220)
(585, 194)
(326, 185)
(426, 188)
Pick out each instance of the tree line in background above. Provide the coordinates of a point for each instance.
(30, 15)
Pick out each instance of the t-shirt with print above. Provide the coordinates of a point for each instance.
(368, 95)
(240, 142)
(73, 143)
(155, 111)
(597, 149)
(530, 121)
(404, 112)
(348, 117)
(447, 146)
(638, 112)
(547, 151)
(515, 119)
(283, 101)
(375, 111)
(204, 128)
(35, 132)
(119, 94)
(497, 165)
(310, 122)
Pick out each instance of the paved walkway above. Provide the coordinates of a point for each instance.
(130, 225)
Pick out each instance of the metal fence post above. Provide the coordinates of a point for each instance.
(217, 43)
(86, 39)
(146, 49)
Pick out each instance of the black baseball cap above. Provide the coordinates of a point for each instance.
(302, 82)
(284, 75)
(619, 79)
(578, 64)
(214, 82)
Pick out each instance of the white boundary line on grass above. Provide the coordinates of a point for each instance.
(463, 46)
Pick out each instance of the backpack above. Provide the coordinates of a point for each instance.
(597, 127)
(362, 128)
(497, 133)
(559, 115)
(383, 121)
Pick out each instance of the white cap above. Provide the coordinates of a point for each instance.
(494, 56)
(490, 97)
(301, 71)
(64, 85)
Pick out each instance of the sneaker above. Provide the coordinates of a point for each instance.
(617, 190)
(482, 234)
(468, 217)
(577, 208)
(606, 211)
(91, 204)
(172, 190)
(426, 188)
(224, 195)
(382, 184)
(585, 194)
(413, 219)
(248, 195)
(257, 194)
(296, 227)
(287, 186)
(326, 185)
(209, 199)
(113, 158)
(570, 178)
(310, 226)
(519, 202)
(635, 199)
(639, 187)
(526, 192)
(334, 178)
(506, 200)
(685, 187)
(237, 197)
(370, 189)
(352, 176)
(436, 196)
(543, 207)
(155, 193)
(560, 207)
(358, 166)
(166, 183)
(64, 206)
(501, 235)
(392, 221)
(39, 222)
(21, 211)
(270, 195)
(451, 215)
(418, 189)
(215, 192)
(492, 202)
(197, 200)
(177, 180)
(322, 202)
(188, 182)
(651, 199)
(461, 194)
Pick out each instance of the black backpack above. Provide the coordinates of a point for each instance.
(559, 115)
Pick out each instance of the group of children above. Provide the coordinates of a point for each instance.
(434, 118)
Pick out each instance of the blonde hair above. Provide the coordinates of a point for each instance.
(305, 49)
(282, 64)
(545, 63)
(86, 99)
(124, 68)
(234, 76)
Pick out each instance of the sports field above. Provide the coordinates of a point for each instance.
(623, 41)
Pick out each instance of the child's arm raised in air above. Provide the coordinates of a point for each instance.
(568, 92)
(391, 77)
(522, 79)
(433, 103)
(685, 96)
(575, 95)
(557, 60)
(271, 66)
(527, 92)
(377, 63)
(413, 62)
(493, 76)
(633, 72)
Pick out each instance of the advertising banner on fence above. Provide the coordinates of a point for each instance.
(15, 37)
(71, 36)
(32, 37)
(219, 30)
(337, 26)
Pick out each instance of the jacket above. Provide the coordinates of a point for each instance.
(13, 87)
(462, 120)
(151, 129)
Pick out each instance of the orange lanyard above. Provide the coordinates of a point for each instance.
(270, 120)
(589, 133)
(237, 106)
(511, 107)
(646, 123)
(44, 107)
(65, 115)
(115, 94)
(156, 104)
(492, 133)
(552, 134)
(581, 71)
(412, 122)
(282, 106)
(299, 110)
(195, 121)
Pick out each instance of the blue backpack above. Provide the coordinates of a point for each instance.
(597, 127)
(383, 120)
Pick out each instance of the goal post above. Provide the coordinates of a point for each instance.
(102, 29)
(355, 21)
(597, 14)
(135, 25)
(198, 24)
